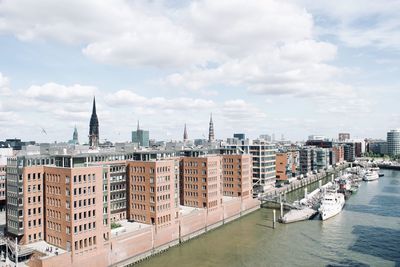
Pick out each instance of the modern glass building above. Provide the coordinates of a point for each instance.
(393, 142)
(141, 137)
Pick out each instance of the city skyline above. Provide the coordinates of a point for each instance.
(296, 68)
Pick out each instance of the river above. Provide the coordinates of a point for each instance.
(365, 233)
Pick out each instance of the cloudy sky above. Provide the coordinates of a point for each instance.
(261, 67)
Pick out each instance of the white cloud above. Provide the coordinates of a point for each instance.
(203, 47)
(127, 98)
(297, 68)
(52, 102)
(238, 110)
(358, 23)
(53, 92)
(4, 85)
(266, 46)
(116, 32)
(240, 29)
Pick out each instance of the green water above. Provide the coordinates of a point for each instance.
(365, 233)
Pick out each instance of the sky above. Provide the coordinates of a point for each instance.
(288, 67)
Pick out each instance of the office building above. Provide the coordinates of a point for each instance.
(2, 185)
(349, 152)
(393, 142)
(344, 137)
(286, 164)
(65, 206)
(239, 136)
(266, 137)
(358, 149)
(263, 155)
(5, 153)
(141, 137)
(378, 147)
(322, 158)
(151, 191)
(307, 160)
(320, 143)
(316, 137)
(201, 181)
(237, 176)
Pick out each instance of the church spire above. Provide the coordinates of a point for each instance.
(185, 134)
(75, 136)
(94, 127)
(94, 106)
(211, 130)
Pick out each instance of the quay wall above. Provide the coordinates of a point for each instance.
(389, 167)
(132, 247)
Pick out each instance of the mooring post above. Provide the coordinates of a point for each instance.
(281, 209)
(273, 223)
(305, 192)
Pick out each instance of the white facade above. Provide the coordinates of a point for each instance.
(316, 137)
(264, 160)
(4, 154)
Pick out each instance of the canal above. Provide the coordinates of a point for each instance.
(365, 233)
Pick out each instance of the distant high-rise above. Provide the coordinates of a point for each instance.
(266, 137)
(211, 130)
(393, 142)
(75, 139)
(240, 136)
(344, 137)
(185, 134)
(316, 137)
(140, 136)
(94, 127)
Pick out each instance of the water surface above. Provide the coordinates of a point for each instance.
(366, 233)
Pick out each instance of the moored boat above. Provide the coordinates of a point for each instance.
(371, 176)
(331, 205)
(297, 215)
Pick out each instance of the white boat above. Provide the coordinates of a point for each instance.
(298, 215)
(331, 205)
(371, 176)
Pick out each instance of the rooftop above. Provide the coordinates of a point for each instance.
(47, 249)
(185, 210)
(128, 227)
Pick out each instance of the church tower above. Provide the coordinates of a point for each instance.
(75, 139)
(211, 130)
(185, 134)
(94, 127)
